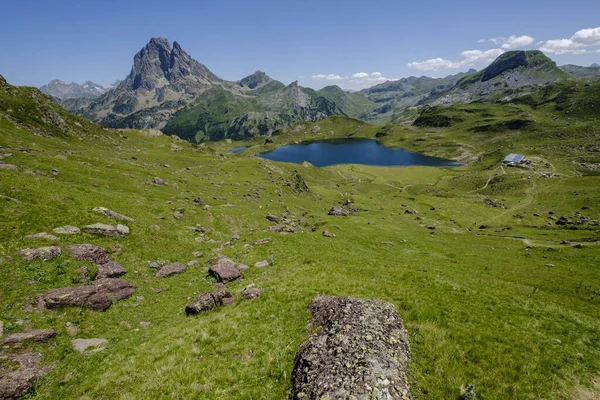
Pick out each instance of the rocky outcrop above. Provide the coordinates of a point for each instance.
(208, 301)
(40, 335)
(505, 62)
(359, 351)
(89, 252)
(112, 214)
(16, 383)
(111, 269)
(106, 229)
(225, 272)
(170, 270)
(99, 296)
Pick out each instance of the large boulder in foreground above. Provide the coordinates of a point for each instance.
(89, 252)
(99, 296)
(359, 350)
(225, 272)
(15, 383)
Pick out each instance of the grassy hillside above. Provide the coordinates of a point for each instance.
(491, 296)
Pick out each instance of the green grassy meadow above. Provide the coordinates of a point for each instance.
(512, 311)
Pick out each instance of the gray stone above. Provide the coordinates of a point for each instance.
(88, 346)
(99, 296)
(41, 253)
(208, 301)
(225, 272)
(262, 264)
(40, 335)
(9, 167)
(251, 293)
(89, 252)
(112, 214)
(339, 211)
(67, 230)
(359, 350)
(106, 229)
(170, 270)
(111, 269)
(15, 384)
(328, 234)
(42, 236)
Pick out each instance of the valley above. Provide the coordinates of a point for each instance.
(493, 268)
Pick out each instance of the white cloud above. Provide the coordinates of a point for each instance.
(433, 64)
(496, 40)
(515, 42)
(330, 77)
(469, 57)
(473, 56)
(575, 44)
(357, 81)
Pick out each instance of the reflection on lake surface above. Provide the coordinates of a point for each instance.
(352, 151)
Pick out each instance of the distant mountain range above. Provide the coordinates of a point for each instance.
(66, 91)
(169, 90)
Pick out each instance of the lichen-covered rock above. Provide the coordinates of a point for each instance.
(251, 293)
(42, 236)
(40, 335)
(111, 269)
(16, 383)
(225, 272)
(9, 167)
(67, 230)
(339, 211)
(89, 252)
(170, 270)
(208, 301)
(112, 214)
(41, 253)
(99, 296)
(106, 229)
(359, 350)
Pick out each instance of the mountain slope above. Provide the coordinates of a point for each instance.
(513, 74)
(577, 71)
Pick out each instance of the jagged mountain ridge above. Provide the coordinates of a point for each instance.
(579, 72)
(169, 90)
(66, 91)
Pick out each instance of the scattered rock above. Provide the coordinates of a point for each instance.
(54, 172)
(328, 234)
(272, 218)
(563, 220)
(89, 252)
(192, 263)
(224, 272)
(112, 214)
(155, 227)
(66, 230)
(410, 212)
(387, 242)
(41, 253)
(235, 237)
(88, 346)
(40, 335)
(145, 324)
(276, 228)
(261, 241)
(106, 230)
(72, 329)
(99, 296)
(262, 264)
(111, 269)
(198, 201)
(251, 293)
(42, 236)
(197, 254)
(431, 227)
(339, 211)
(208, 301)
(359, 350)
(578, 246)
(159, 181)
(15, 384)
(9, 167)
(485, 226)
(178, 215)
(170, 270)
(242, 267)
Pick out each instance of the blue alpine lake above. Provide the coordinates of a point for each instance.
(324, 153)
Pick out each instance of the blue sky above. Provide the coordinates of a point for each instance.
(350, 43)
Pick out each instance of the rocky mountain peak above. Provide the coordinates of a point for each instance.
(158, 65)
(257, 79)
